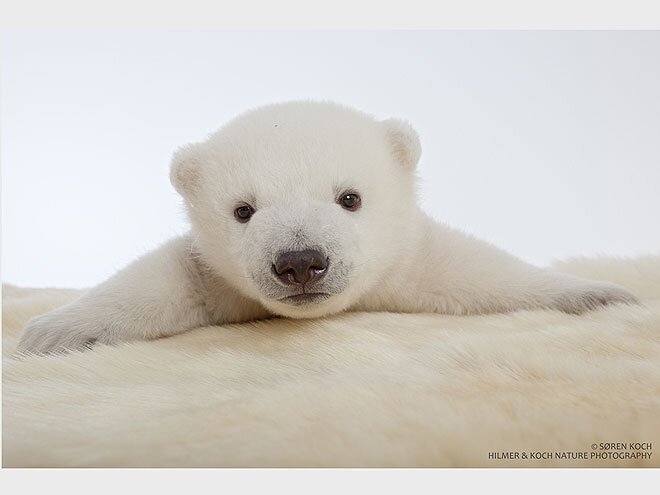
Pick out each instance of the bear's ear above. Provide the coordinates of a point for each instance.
(184, 170)
(404, 142)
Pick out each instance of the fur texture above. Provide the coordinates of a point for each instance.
(291, 164)
(356, 389)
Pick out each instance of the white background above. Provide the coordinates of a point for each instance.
(545, 143)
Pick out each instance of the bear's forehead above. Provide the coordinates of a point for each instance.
(271, 169)
(296, 171)
(296, 150)
(302, 150)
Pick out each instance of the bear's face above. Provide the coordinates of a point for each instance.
(302, 206)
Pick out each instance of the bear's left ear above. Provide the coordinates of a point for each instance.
(404, 141)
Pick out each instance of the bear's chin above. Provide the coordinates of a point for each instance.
(302, 306)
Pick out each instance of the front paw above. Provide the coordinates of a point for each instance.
(52, 333)
(593, 295)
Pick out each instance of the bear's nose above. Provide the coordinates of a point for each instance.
(300, 267)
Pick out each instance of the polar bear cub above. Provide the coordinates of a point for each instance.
(303, 210)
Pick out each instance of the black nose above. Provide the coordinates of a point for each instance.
(300, 267)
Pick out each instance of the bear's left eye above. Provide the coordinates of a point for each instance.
(349, 201)
(243, 213)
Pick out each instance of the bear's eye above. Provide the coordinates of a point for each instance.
(243, 213)
(349, 201)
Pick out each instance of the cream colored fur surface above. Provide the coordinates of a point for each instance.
(358, 389)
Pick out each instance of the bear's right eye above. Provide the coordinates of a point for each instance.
(243, 213)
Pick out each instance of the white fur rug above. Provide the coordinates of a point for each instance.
(355, 390)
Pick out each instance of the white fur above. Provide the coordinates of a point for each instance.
(291, 162)
(355, 389)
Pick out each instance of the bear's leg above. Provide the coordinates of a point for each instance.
(154, 296)
(448, 271)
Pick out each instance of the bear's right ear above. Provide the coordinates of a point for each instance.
(404, 142)
(184, 170)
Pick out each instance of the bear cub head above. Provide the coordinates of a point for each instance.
(303, 206)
